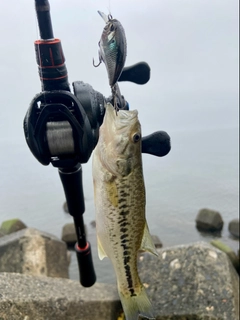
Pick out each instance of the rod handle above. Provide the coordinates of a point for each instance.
(85, 264)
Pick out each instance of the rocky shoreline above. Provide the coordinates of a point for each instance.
(186, 282)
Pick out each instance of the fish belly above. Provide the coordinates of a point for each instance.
(120, 222)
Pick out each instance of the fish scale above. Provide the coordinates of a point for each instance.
(119, 195)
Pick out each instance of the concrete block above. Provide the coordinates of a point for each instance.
(24, 297)
(191, 282)
(30, 251)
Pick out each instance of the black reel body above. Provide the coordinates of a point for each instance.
(53, 124)
(63, 128)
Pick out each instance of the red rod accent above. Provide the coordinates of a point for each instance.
(51, 56)
(47, 42)
(53, 78)
(49, 67)
(83, 249)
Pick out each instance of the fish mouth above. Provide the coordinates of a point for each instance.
(126, 118)
(123, 115)
(122, 119)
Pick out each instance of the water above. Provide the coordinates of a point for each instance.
(200, 171)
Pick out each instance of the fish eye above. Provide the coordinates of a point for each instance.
(112, 27)
(136, 137)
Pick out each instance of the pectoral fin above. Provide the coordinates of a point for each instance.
(101, 252)
(147, 242)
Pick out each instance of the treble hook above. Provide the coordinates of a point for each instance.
(99, 57)
(97, 65)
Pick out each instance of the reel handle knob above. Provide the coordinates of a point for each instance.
(138, 73)
(157, 144)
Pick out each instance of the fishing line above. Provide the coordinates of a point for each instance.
(109, 7)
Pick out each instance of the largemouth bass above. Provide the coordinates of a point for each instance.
(120, 205)
(112, 48)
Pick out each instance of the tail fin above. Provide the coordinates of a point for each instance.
(135, 306)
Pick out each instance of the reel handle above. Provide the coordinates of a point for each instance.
(138, 73)
(157, 144)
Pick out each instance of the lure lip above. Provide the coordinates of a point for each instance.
(104, 16)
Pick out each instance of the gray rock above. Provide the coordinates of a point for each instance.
(10, 226)
(33, 252)
(233, 227)
(229, 252)
(157, 242)
(69, 234)
(191, 282)
(65, 207)
(1, 233)
(209, 220)
(69, 257)
(93, 223)
(25, 297)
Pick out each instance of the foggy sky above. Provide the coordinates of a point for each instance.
(191, 47)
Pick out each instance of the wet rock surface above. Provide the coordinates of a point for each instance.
(10, 226)
(69, 234)
(233, 227)
(65, 207)
(195, 281)
(157, 242)
(34, 252)
(25, 297)
(229, 252)
(209, 220)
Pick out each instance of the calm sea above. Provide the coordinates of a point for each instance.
(200, 171)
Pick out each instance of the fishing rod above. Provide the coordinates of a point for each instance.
(62, 128)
